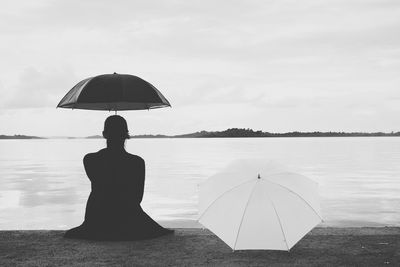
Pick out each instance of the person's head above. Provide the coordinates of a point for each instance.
(115, 129)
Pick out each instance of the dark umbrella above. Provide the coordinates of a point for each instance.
(113, 92)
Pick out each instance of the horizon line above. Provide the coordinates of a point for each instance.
(274, 134)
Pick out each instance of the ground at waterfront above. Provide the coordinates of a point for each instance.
(377, 246)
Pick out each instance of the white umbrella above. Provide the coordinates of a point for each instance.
(259, 206)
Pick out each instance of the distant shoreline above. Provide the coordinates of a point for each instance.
(19, 136)
(229, 133)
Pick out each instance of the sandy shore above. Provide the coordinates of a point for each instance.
(378, 246)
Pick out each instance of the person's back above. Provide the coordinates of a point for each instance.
(117, 184)
(113, 209)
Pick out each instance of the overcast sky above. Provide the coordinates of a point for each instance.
(275, 66)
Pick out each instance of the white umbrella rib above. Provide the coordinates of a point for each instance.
(287, 188)
(279, 220)
(227, 191)
(244, 213)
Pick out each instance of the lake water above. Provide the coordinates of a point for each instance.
(43, 184)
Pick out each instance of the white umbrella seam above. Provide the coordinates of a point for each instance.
(308, 204)
(244, 213)
(220, 196)
(279, 220)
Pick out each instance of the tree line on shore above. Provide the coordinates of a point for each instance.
(240, 132)
(234, 133)
(19, 136)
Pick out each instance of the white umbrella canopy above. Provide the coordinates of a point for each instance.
(256, 205)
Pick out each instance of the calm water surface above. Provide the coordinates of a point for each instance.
(43, 184)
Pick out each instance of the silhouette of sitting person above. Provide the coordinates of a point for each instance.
(113, 210)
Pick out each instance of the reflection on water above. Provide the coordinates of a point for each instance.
(43, 184)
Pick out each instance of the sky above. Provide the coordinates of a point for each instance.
(275, 66)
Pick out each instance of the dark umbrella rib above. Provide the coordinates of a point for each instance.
(163, 99)
(74, 92)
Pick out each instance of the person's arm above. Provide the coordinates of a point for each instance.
(140, 176)
(87, 163)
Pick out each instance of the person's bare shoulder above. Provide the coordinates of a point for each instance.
(136, 158)
(91, 156)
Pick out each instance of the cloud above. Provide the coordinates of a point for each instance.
(39, 89)
(292, 59)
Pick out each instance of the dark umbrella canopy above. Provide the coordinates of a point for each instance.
(113, 92)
